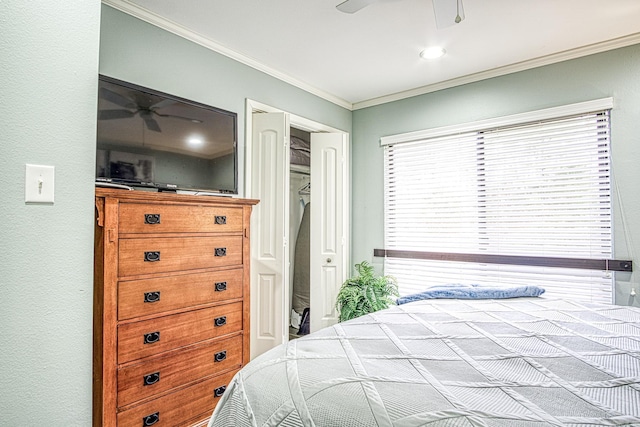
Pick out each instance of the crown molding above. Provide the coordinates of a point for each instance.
(177, 29)
(497, 122)
(507, 69)
(145, 15)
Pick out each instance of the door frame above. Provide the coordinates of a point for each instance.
(251, 107)
(295, 121)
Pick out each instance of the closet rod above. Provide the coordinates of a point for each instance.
(301, 172)
(301, 169)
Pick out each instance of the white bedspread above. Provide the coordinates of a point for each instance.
(512, 362)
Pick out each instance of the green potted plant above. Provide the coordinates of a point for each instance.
(365, 293)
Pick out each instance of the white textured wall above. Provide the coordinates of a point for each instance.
(48, 82)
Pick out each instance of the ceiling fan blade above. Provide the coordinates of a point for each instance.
(166, 103)
(173, 116)
(115, 114)
(151, 123)
(162, 104)
(117, 99)
(352, 6)
(448, 12)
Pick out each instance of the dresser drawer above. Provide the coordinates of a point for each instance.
(162, 255)
(152, 296)
(153, 336)
(163, 373)
(179, 408)
(157, 218)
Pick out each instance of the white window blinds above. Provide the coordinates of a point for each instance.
(528, 189)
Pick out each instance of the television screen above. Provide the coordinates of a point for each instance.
(146, 138)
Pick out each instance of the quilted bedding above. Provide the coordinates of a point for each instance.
(511, 362)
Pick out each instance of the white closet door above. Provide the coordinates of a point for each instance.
(329, 216)
(269, 231)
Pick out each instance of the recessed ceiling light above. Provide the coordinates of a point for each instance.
(433, 52)
(195, 140)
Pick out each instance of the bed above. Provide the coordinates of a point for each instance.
(492, 362)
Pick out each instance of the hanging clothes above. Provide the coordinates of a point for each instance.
(301, 277)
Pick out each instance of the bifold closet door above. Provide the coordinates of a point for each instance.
(268, 168)
(329, 216)
(270, 229)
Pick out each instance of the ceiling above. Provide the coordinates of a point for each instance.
(372, 56)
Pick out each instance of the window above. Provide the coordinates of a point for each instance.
(532, 185)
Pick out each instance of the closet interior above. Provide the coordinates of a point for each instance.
(299, 224)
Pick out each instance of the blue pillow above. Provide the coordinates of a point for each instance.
(473, 291)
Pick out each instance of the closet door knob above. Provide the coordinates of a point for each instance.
(329, 260)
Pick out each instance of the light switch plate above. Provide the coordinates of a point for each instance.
(39, 184)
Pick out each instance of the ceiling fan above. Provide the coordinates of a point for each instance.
(141, 106)
(448, 12)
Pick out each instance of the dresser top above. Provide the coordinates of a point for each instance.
(148, 196)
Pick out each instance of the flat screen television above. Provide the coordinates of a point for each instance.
(152, 140)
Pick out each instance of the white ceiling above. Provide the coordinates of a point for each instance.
(372, 56)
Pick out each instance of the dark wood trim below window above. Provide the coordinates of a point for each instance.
(581, 263)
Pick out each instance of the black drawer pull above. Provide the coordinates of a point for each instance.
(219, 391)
(151, 419)
(221, 251)
(152, 296)
(151, 379)
(221, 220)
(220, 321)
(152, 337)
(220, 356)
(152, 218)
(152, 256)
(221, 286)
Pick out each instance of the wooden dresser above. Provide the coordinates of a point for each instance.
(171, 305)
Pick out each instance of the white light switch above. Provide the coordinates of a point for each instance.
(39, 184)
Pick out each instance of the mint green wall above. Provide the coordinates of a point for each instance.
(48, 81)
(48, 68)
(51, 56)
(611, 74)
(137, 52)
